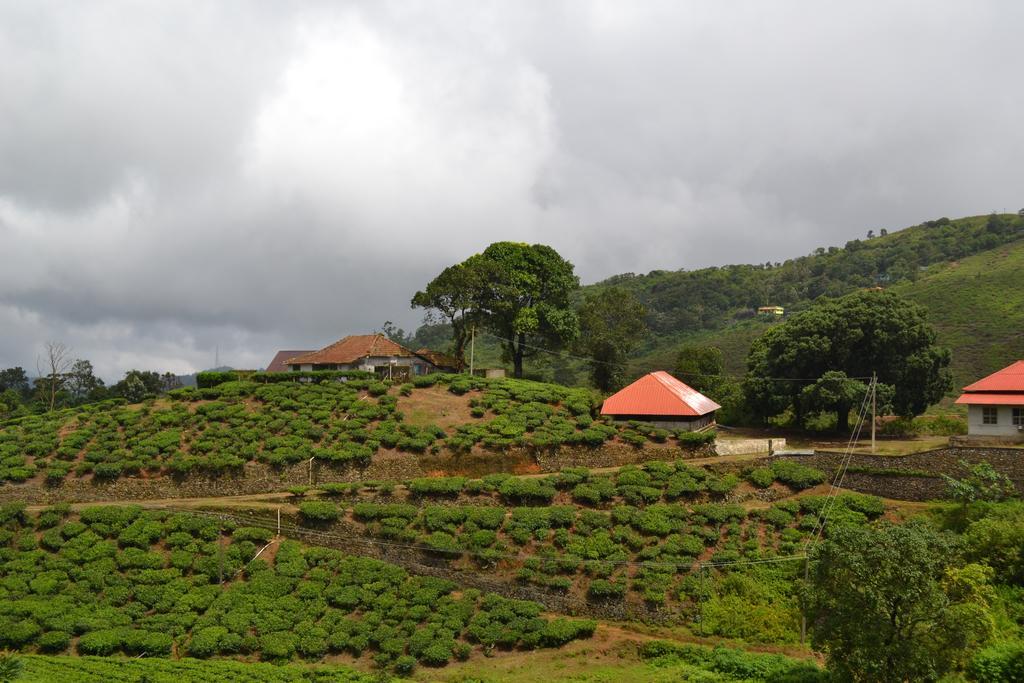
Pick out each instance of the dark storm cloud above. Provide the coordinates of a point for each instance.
(175, 178)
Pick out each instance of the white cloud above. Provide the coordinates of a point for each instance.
(177, 177)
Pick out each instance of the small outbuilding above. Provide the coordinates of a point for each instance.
(995, 404)
(664, 401)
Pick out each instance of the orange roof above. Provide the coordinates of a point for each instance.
(1010, 378)
(352, 348)
(659, 393)
(992, 399)
(278, 363)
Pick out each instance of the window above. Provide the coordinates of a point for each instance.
(1018, 417)
(989, 415)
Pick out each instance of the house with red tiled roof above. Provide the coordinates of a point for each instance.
(995, 404)
(278, 363)
(367, 352)
(661, 399)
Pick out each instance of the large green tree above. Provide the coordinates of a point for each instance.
(834, 345)
(454, 297)
(612, 324)
(16, 379)
(519, 292)
(702, 367)
(892, 603)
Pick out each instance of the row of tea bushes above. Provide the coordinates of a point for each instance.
(123, 580)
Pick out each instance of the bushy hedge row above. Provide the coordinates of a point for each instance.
(561, 546)
(157, 670)
(123, 580)
(737, 664)
(286, 418)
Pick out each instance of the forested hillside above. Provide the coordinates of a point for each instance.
(684, 301)
(961, 270)
(964, 272)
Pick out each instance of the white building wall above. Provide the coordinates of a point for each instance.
(1004, 426)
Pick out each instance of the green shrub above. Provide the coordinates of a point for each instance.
(796, 475)
(1000, 663)
(405, 664)
(558, 632)
(688, 439)
(206, 380)
(54, 641)
(602, 589)
(319, 511)
(437, 486)
(761, 477)
(525, 490)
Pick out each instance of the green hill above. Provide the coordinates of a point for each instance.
(966, 272)
(718, 305)
(977, 306)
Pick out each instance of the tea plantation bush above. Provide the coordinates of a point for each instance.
(234, 418)
(157, 670)
(127, 581)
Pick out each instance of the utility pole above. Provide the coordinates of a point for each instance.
(310, 477)
(278, 522)
(874, 399)
(472, 348)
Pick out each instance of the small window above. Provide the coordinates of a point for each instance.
(989, 415)
(1018, 417)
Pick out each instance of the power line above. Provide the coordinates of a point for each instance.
(589, 359)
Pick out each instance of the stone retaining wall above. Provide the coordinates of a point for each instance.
(742, 446)
(256, 477)
(907, 480)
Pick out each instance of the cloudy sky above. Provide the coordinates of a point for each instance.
(177, 176)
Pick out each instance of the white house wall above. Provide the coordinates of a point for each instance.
(1004, 426)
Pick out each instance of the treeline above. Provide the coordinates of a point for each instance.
(74, 386)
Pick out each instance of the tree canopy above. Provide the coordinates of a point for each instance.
(518, 292)
(817, 360)
(611, 326)
(702, 367)
(893, 603)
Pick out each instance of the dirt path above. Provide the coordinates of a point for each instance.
(272, 500)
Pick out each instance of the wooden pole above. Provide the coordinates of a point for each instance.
(874, 397)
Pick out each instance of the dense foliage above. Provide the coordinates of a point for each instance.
(122, 580)
(817, 360)
(895, 603)
(640, 535)
(519, 292)
(611, 326)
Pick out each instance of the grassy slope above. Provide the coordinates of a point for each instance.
(977, 306)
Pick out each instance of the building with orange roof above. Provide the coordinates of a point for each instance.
(370, 353)
(995, 404)
(664, 401)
